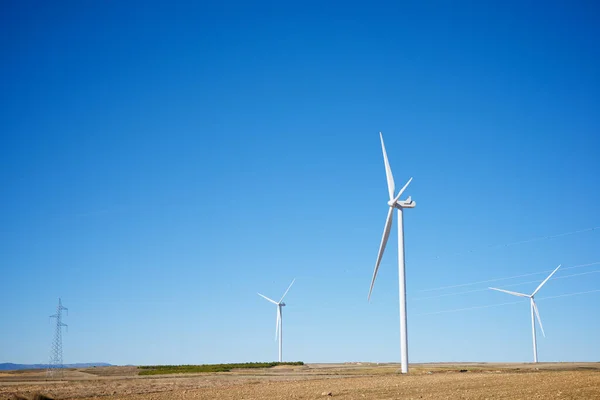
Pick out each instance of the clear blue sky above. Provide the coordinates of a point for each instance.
(161, 163)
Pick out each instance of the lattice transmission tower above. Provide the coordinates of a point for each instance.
(55, 365)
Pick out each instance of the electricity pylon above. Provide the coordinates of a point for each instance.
(55, 365)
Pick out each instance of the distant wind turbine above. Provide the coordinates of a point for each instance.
(396, 203)
(279, 321)
(534, 310)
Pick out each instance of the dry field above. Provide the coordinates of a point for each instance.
(320, 381)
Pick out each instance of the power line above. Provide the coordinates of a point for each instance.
(448, 294)
(506, 278)
(536, 239)
(568, 294)
(513, 284)
(505, 304)
(479, 282)
(470, 308)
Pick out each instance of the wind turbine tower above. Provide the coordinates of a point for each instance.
(395, 203)
(56, 356)
(534, 310)
(279, 321)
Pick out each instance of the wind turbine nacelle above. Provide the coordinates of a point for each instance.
(408, 203)
(282, 304)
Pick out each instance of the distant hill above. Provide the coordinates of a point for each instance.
(11, 366)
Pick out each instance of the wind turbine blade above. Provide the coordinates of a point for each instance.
(384, 239)
(545, 280)
(403, 189)
(537, 314)
(288, 289)
(509, 292)
(265, 297)
(277, 322)
(388, 170)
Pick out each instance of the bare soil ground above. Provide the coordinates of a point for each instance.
(319, 381)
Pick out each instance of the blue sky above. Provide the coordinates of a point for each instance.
(161, 163)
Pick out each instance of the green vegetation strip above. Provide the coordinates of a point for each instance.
(182, 369)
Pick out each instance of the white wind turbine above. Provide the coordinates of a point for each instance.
(279, 322)
(534, 310)
(396, 203)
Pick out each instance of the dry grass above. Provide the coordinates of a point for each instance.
(314, 381)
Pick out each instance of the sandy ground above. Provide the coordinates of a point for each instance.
(317, 381)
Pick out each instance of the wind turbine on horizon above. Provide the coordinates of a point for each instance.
(534, 310)
(395, 203)
(279, 322)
